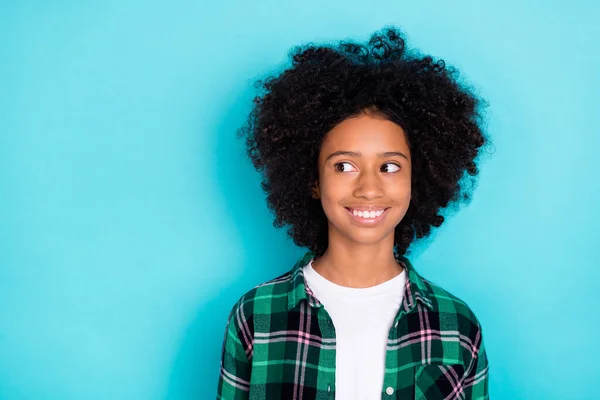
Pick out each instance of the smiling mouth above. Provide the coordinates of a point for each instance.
(367, 218)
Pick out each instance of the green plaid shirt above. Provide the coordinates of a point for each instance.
(280, 344)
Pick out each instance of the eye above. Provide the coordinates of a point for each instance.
(337, 166)
(395, 167)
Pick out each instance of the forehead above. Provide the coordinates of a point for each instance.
(366, 134)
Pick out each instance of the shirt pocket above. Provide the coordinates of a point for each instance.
(439, 381)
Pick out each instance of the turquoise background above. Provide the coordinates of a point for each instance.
(131, 220)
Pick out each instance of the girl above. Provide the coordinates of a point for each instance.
(361, 147)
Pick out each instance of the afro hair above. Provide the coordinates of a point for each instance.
(326, 84)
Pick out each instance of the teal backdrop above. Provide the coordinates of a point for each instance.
(131, 219)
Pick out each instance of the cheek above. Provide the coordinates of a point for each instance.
(401, 195)
(332, 189)
(331, 199)
(407, 193)
(399, 188)
(328, 202)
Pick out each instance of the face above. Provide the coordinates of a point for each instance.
(364, 179)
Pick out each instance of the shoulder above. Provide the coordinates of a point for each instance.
(269, 299)
(454, 313)
(457, 323)
(265, 298)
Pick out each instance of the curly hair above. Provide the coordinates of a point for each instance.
(325, 85)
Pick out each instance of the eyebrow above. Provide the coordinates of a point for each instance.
(358, 154)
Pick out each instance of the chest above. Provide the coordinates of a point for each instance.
(301, 354)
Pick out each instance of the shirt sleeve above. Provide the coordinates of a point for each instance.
(477, 380)
(234, 379)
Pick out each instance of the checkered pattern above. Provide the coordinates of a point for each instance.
(280, 344)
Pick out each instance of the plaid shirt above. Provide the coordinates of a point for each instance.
(280, 344)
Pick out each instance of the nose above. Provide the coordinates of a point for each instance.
(368, 186)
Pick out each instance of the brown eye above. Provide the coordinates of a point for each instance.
(337, 167)
(394, 168)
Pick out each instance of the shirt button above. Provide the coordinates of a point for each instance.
(328, 388)
(389, 390)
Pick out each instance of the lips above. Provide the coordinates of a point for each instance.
(370, 207)
(367, 222)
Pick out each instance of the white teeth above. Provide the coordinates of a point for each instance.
(367, 214)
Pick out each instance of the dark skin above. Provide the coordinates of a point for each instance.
(360, 256)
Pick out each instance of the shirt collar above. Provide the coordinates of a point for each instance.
(416, 288)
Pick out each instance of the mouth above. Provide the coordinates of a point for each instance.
(369, 219)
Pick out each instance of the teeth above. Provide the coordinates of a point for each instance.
(367, 214)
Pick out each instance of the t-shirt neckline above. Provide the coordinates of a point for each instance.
(387, 286)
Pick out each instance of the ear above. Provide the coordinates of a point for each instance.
(314, 191)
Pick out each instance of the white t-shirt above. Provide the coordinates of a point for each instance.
(362, 318)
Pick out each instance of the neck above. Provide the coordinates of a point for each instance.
(358, 266)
